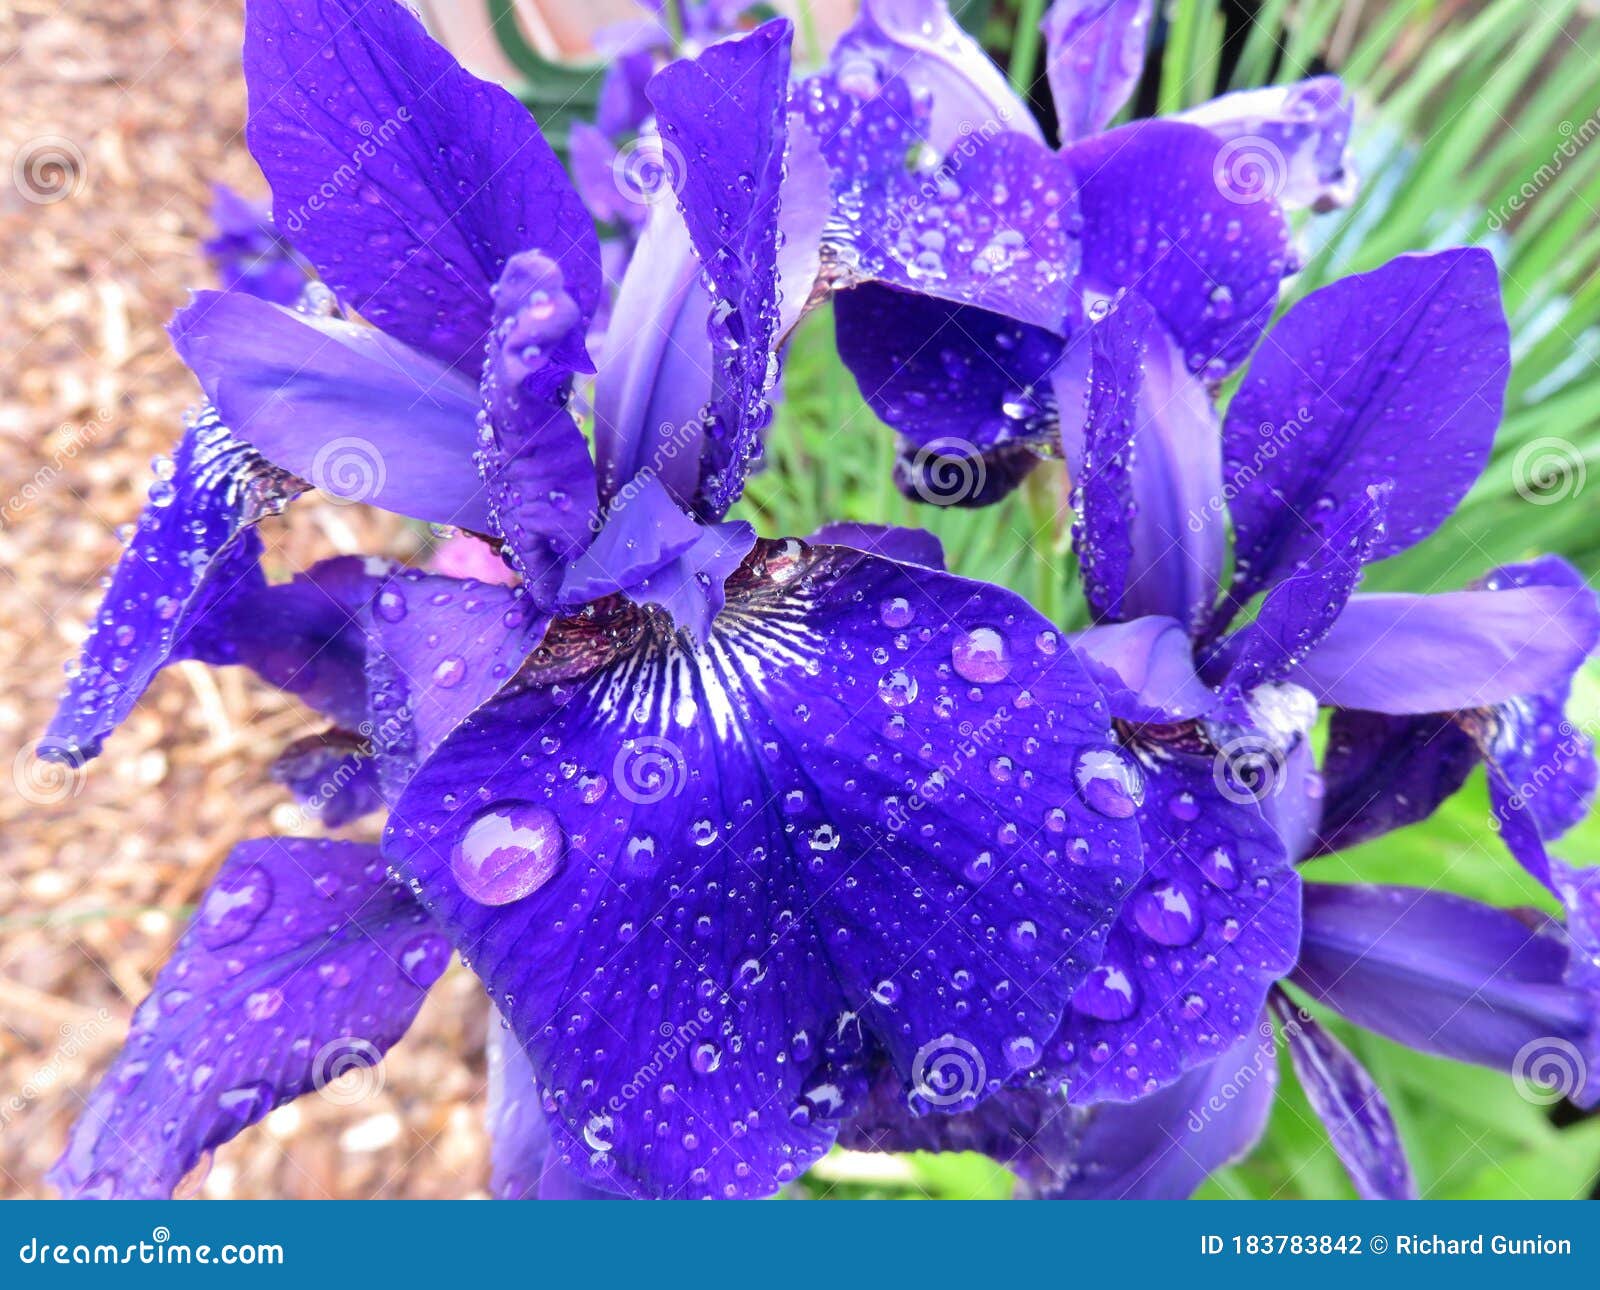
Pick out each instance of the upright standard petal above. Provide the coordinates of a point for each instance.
(907, 546)
(1149, 531)
(303, 962)
(1094, 52)
(406, 180)
(921, 43)
(1447, 975)
(1146, 668)
(1394, 375)
(726, 112)
(767, 860)
(1213, 923)
(192, 547)
(1157, 221)
(1351, 1107)
(1290, 141)
(356, 414)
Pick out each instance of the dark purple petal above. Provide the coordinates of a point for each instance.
(1382, 772)
(1150, 531)
(1146, 668)
(1164, 1146)
(1158, 221)
(655, 372)
(1351, 1107)
(623, 106)
(358, 415)
(1299, 611)
(1213, 923)
(919, 42)
(593, 158)
(247, 253)
(1454, 650)
(303, 962)
(726, 113)
(908, 546)
(1397, 374)
(438, 649)
(333, 777)
(1094, 52)
(1447, 975)
(541, 482)
(522, 1167)
(306, 636)
(406, 180)
(950, 472)
(192, 547)
(943, 373)
(736, 867)
(1290, 141)
(1546, 760)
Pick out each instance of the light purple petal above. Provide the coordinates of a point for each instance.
(1146, 667)
(1291, 141)
(1449, 976)
(1397, 374)
(358, 415)
(1094, 53)
(1157, 222)
(1351, 1107)
(726, 112)
(920, 42)
(406, 180)
(1214, 922)
(769, 858)
(192, 547)
(303, 962)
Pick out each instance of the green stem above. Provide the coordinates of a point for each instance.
(1025, 46)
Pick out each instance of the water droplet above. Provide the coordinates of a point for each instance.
(981, 656)
(1167, 912)
(508, 851)
(1218, 868)
(1109, 782)
(1109, 994)
(234, 906)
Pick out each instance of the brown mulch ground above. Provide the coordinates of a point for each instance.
(95, 887)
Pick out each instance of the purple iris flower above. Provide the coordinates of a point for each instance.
(733, 831)
(1364, 417)
(247, 252)
(1009, 252)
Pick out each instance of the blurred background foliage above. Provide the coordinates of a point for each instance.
(1473, 122)
(1464, 111)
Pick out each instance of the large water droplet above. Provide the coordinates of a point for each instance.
(508, 851)
(1109, 994)
(981, 656)
(234, 906)
(1109, 782)
(1167, 912)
